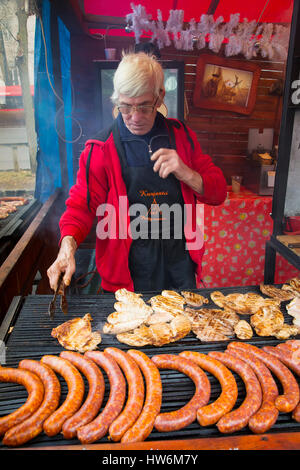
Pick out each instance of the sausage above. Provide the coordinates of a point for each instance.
(97, 428)
(210, 414)
(33, 426)
(286, 356)
(136, 393)
(239, 418)
(13, 198)
(291, 359)
(296, 413)
(35, 390)
(288, 347)
(179, 419)
(145, 422)
(53, 424)
(294, 343)
(290, 398)
(267, 414)
(94, 399)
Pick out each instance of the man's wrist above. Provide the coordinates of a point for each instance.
(69, 242)
(194, 181)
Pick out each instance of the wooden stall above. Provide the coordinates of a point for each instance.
(238, 242)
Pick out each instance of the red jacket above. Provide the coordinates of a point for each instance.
(106, 185)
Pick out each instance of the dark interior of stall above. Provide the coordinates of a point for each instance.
(75, 43)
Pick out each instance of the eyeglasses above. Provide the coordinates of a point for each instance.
(140, 108)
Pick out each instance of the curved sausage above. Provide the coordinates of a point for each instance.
(97, 428)
(210, 414)
(35, 390)
(294, 343)
(185, 415)
(289, 347)
(136, 393)
(286, 356)
(239, 418)
(145, 422)
(291, 359)
(267, 414)
(53, 424)
(290, 398)
(33, 425)
(93, 401)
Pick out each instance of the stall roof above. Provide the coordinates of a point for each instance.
(274, 11)
(96, 16)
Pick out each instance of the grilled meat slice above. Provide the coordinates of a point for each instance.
(266, 320)
(193, 299)
(157, 334)
(76, 334)
(243, 330)
(275, 292)
(170, 294)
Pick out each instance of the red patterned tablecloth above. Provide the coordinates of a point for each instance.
(235, 234)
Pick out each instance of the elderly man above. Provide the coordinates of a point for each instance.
(145, 164)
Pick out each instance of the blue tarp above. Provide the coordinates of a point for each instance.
(52, 110)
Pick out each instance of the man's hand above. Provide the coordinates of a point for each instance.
(64, 263)
(167, 161)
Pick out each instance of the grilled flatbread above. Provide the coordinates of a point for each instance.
(76, 334)
(275, 292)
(193, 299)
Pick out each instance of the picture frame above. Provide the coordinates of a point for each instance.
(226, 84)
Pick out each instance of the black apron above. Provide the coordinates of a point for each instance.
(158, 259)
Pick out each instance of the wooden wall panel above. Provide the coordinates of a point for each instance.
(223, 134)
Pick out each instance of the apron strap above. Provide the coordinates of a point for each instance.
(88, 162)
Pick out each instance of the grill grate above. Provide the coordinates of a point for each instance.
(31, 338)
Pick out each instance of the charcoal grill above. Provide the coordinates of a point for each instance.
(31, 338)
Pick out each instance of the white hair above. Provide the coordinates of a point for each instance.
(136, 75)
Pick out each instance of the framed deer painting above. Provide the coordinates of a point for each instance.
(226, 84)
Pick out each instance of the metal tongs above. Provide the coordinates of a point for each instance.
(60, 290)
